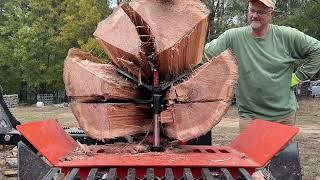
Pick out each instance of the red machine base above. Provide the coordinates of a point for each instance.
(252, 149)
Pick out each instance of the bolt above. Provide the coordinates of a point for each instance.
(7, 137)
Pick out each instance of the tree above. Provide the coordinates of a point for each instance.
(79, 22)
(35, 36)
(12, 17)
(225, 14)
(307, 21)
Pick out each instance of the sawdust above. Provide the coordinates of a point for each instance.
(86, 151)
(128, 149)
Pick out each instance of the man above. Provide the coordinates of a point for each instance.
(266, 56)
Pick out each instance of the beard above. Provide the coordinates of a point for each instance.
(255, 24)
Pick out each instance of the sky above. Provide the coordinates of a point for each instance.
(113, 3)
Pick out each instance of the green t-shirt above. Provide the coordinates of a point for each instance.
(265, 68)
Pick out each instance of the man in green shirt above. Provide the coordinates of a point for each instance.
(266, 55)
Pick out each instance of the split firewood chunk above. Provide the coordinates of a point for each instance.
(170, 34)
(191, 120)
(108, 120)
(213, 81)
(88, 78)
(198, 104)
(119, 38)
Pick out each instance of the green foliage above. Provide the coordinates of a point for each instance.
(78, 22)
(103, 8)
(35, 36)
(225, 14)
(307, 20)
(94, 48)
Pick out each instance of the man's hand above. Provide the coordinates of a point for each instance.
(294, 80)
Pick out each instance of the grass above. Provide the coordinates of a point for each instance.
(62, 114)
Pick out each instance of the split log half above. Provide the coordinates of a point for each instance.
(169, 34)
(213, 81)
(87, 78)
(119, 38)
(191, 120)
(198, 104)
(107, 120)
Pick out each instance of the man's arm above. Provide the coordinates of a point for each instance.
(216, 46)
(307, 48)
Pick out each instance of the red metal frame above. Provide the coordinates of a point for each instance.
(49, 138)
(263, 139)
(252, 149)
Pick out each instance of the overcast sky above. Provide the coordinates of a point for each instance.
(113, 3)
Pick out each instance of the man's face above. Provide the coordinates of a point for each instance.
(259, 15)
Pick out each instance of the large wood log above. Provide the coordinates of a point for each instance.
(120, 40)
(194, 106)
(171, 36)
(191, 120)
(173, 33)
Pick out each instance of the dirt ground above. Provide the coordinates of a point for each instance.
(308, 120)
